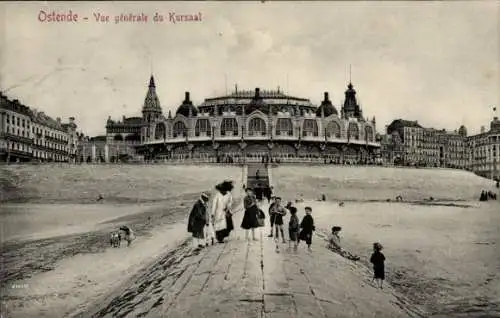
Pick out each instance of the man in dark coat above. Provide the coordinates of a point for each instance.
(198, 219)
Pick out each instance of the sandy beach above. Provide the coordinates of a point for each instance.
(57, 258)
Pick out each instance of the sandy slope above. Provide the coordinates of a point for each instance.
(82, 279)
(443, 258)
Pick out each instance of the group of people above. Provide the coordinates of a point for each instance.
(214, 223)
(297, 231)
(254, 217)
(486, 195)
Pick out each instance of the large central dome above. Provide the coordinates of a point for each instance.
(248, 101)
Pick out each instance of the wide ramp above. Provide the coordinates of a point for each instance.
(243, 278)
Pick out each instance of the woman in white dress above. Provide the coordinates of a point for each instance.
(221, 210)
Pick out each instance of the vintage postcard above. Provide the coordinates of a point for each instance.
(214, 159)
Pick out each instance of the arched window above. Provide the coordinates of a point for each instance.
(180, 129)
(368, 133)
(257, 127)
(333, 129)
(310, 128)
(353, 131)
(229, 125)
(202, 127)
(284, 127)
(160, 131)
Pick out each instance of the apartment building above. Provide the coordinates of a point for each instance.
(428, 147)
(27, 134)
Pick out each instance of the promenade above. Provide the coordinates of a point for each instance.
(249, 279)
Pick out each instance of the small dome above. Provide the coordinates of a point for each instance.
(327, 107)
(186, 107)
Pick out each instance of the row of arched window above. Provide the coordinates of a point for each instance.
(257, 127)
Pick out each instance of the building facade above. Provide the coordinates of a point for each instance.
(16, 142)
(28, 135)
(484, 151)
(256, 126)
(100, 149)
(413, 145)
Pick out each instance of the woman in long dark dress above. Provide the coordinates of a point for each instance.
(250, 221)
(221, 210)
(198, 220)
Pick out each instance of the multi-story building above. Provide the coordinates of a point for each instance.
(50, 139)
(419, 146)
(407, 138)
(484, 150)
(15, 131)
(258, 125)
(73, 139)
(27, 134)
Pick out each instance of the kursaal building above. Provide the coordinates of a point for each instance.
(252, 125)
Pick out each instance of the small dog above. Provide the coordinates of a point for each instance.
(115, 239)
(341, 204)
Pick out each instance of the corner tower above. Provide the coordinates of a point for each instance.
(351, 108)
(151, 110)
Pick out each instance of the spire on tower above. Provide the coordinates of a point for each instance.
(151, 108)
(350, 74)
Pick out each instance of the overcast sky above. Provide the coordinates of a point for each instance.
(434, 62)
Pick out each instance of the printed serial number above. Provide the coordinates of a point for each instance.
(19, 286)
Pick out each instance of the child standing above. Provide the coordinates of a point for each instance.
(378, 260)
(293, 228)
(307, 226)
(279, 212)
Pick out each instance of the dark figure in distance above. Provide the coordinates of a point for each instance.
(268, 193)
(484, 196)
(258, 192)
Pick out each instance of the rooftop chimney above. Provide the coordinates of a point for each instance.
(326, 96)
(257, 92)
(186, 97)
(58, 119)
